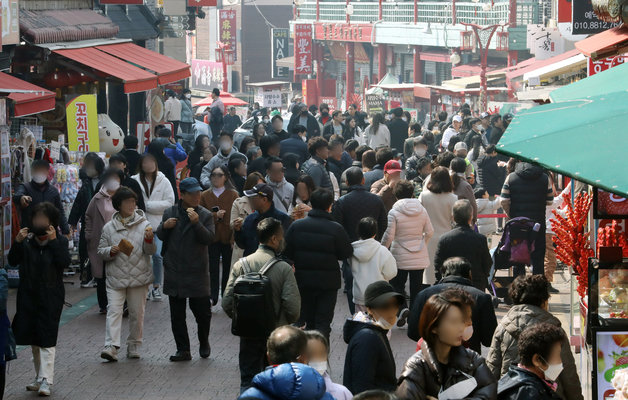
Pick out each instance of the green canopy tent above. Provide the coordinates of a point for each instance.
(612, 80)
(585, 139)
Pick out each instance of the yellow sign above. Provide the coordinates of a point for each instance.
(82, 118)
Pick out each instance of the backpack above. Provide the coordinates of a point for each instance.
(517, 243)
(253, 308)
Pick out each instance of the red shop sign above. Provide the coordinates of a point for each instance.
(302, 49)
(201, 3)
(227, 21)
(595, 67)
(343, 32)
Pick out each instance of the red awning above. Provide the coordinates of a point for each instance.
(435, 57)
(167, 69)
(26, 103)
(466, 70)
(135, 79)
(48, 26)
(227, 99)
(605, 44)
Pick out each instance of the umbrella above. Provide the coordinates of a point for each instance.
(227, 99)
(582, 139)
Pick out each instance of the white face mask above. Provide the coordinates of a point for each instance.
(419, 151)
(468, 332)
(225, 146)
(266, 120)
(304, 138)
(552, 371)
(112, 185)
(319, 366)
(40, 178)
(188, 96)
(384, 324)
(405, 119)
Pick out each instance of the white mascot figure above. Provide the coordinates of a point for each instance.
(110, 135)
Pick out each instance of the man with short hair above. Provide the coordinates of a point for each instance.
(456, 123)
(324, 117)
(130, 153)
(382, 156)
(358, 203)
(334, 162)
(285, 296)
(384, 187)
(491, 173)
(316, 166)
(497, 128)
(461, 150)
(231, 121)
(335, 126)
(301, 116)
(485, 120)
(354, 113)
(216, 112)
(277, 125)
(187, 230)
(316, 243)
(269, 144)
(261, 199)
(283, 191)
(225, 151)
(419, 152)
(295, 144)
(398, 129)
(463, 241)
(476, 131)
(457, 274)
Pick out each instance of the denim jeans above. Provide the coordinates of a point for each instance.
(158, 263)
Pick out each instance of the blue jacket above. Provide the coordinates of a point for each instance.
(288, 382)
(294, 144)
(246, 237)
(176, 154)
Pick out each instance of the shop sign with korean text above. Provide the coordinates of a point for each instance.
(82, 121)
(302, 49)
(206, 75)
(595, 67)
(268, 98)
(343, 32)
(227, 29)
(280, 49)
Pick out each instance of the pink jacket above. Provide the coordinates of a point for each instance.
(409, 230)
(98, 213)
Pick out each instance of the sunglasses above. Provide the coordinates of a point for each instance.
(216, 175)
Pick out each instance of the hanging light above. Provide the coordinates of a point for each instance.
(454, 58)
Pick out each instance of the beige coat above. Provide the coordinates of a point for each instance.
(241, 208)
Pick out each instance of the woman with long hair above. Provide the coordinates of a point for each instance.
(156, 148)
(377, 134)
(353, 131)
(219, 199)
(462, 188)
(241, 209)
(196, 156)
(301, 201)
(247, 143)
(438, 199)
(237, 170)
(259, 131)
(158, 197)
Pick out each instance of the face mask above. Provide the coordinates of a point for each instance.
(40, 178)
(319, 366)
(91, 172)
(461, 174)
(304, 138)
(384, 324)
(266, 120)
(40, 231)
(404, 119)
(468, 332)
(420, 152)
(112, 185)
(552, 371)
(225, 146)
(325, 113)
(188, 96)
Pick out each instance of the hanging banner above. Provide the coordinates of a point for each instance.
(302, 49)
(82, 120)
(206, 75)
(281, 49)
(227, 29)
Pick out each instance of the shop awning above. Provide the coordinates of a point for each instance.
(472, 81)
(135, 79)
(536, 93)
(47, 26)
(167, 69)
(39, 100)
(558, 136)
(227, 99)
(136, 22)
(339, 53)
(435, 57)
(612, 80)
(533, 64)
(569, 65)
(605, 44)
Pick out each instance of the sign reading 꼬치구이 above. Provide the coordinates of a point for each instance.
(82, 120)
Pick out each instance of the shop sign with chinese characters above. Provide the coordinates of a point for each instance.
(302, 49)
(544, 42)
(343, 32)
(227, 29)
(82, 119)
(206, 75)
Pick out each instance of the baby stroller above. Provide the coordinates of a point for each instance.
(514, 250)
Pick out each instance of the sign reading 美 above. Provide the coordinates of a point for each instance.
(302, 49)
(82, 119)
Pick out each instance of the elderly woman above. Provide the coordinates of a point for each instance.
(126, 244)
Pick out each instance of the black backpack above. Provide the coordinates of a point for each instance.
(253, 309)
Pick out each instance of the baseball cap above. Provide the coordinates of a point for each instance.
(460, 146)
(457, 118)
(508, 117)
(261, 189)
(392, 166)
(484, 115)
(190, 185)
(378, 293)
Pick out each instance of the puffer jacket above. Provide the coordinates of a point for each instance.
(486, 226)
(521, 384)
(421, 376)
(216, 161)
(526, 192)
(315, 167)
(159, 200)
(504, 350)
(292, 381)
(127, 271)
(409, 230)
(371, 262)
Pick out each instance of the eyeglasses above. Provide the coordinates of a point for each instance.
(216, 175)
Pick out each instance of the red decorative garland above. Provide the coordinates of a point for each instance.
(573, 244)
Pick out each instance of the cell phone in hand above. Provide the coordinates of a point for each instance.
(215, 209)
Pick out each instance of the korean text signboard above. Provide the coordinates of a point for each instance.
(595, 67)
(269, 98)
(302, 49)
(82, 120)
(206, 75)
(227, 29)
(585, 21)
(281, 49)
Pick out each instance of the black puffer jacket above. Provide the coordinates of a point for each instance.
(315, 244)
(357, 204)
(521, 384)
(369, 363)
(528, 191)
(490, 175)
(421, 378)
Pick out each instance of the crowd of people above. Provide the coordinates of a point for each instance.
(270, 227)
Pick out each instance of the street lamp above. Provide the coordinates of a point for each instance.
(225, 55)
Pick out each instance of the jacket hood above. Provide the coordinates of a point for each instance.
(517, 377)
(522, 315)
(528, 171)
(277, 185)
(226, 157)
(364, 250)
(137, 219)
(292, 381)
(353, 326)
(410, 207)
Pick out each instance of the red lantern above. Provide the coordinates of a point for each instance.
(466, 40)
(502, 41)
